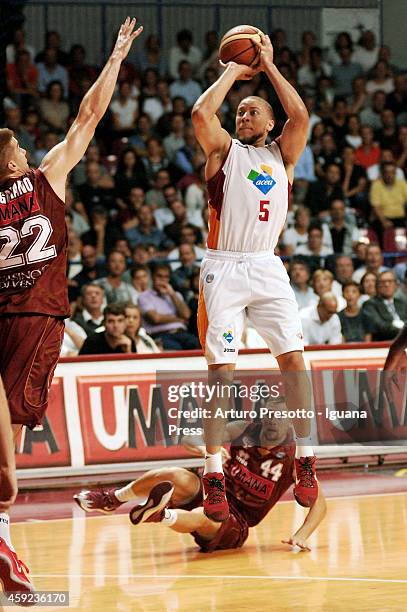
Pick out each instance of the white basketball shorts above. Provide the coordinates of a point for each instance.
(234, 286)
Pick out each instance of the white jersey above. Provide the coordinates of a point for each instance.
(248, 199)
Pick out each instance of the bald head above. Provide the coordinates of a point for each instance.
(257, 100)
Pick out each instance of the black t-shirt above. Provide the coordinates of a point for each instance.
(96, 344)
(353, 329)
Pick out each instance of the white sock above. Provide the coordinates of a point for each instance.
(170, 517)
(303, 447)
(5, 529)
(126, 494)
(213, 463)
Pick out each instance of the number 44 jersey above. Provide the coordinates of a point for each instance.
(33, 248)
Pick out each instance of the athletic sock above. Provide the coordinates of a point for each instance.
(170, 517)
(126, 494)
(303, 447)
(213, 463)
(5, 529)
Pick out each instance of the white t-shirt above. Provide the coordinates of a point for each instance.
(125, 112)
(316, 332)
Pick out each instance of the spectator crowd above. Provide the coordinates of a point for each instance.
(136, 205)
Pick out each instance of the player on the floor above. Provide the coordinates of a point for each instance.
(248, 185)
(260, 469)
(33, 259)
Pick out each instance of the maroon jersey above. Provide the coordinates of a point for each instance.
(33, 248)
(257, 481)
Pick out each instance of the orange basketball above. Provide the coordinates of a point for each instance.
(238, 45)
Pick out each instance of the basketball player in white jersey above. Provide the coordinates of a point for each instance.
(248, 185)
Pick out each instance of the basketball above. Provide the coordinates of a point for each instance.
(238, 45)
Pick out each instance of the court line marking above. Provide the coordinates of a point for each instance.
(113, 514)
(222, 577)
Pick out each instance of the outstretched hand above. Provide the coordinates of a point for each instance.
(297, 541)
(126, 36)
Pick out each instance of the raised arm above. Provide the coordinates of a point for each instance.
(64, 156)
(214, 140)
(295, 131)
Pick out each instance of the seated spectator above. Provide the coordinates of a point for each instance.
(18, 44)
(74, 337)
(388, 196)
(185, 86)
(345, 72)
(397, 99)
(372, 115)
(324, 190)
(184, 50)
(300, 275)
(79, 221)
(385, 314)
(352, 136)
(323, 282)
(52, 40)
(400, 270)
(314, 118)
(366, 51)
(124, 110)
(97, 190)
(354, 183)
(181, 276)
(180, 220)
(53, 109)
(139, 277)
(327, 155)
(193, 303)
(374, 263)
(343, 269)
(342, 40)
(74, 254)
(127, 217)
(165, 313)
(113, 339)
(154, 160)
(304, 172)
(50, 70)
(78, 70)
(179, 106)
(146, 233)
(343, 233)
(149, 84)
(368, 153)
(155, 197)
(156, 106)
(352, 324)
(22, 80)
(382, 79)
(298, 234)
(359, 99)
(196, 198)
(189, 235)
(101, 235)
(116, 290)
(151, 56)
(122, 246)
(189, 158)
(337, 122)
(309, 74)
(175, 139)
(14, 122)
(130, 173)
(387, 136)
(90, 316)
(141, 341)
(144, 131)
(92, 267)
(314, 246)
(44, 145)
(374, 172)
(320, 323)
(78, 175)
(368, 287)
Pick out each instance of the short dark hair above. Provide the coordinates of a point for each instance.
(161, 266)
(114, 309)
(137, 267)
(351, 283)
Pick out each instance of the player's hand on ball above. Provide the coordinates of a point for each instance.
(266, 51)
(126, 35)
(297, 541)
(242, 72)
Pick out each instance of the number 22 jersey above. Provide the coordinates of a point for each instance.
(248, 199)
(33, 248)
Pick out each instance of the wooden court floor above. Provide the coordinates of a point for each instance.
(358, 562)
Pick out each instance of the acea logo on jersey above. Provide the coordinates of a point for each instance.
(262, 180)
(228, 336)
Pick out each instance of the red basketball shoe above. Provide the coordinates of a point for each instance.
(99, 500)
(215, 504)
(306, 486)
(153, 510)
(13, 573)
